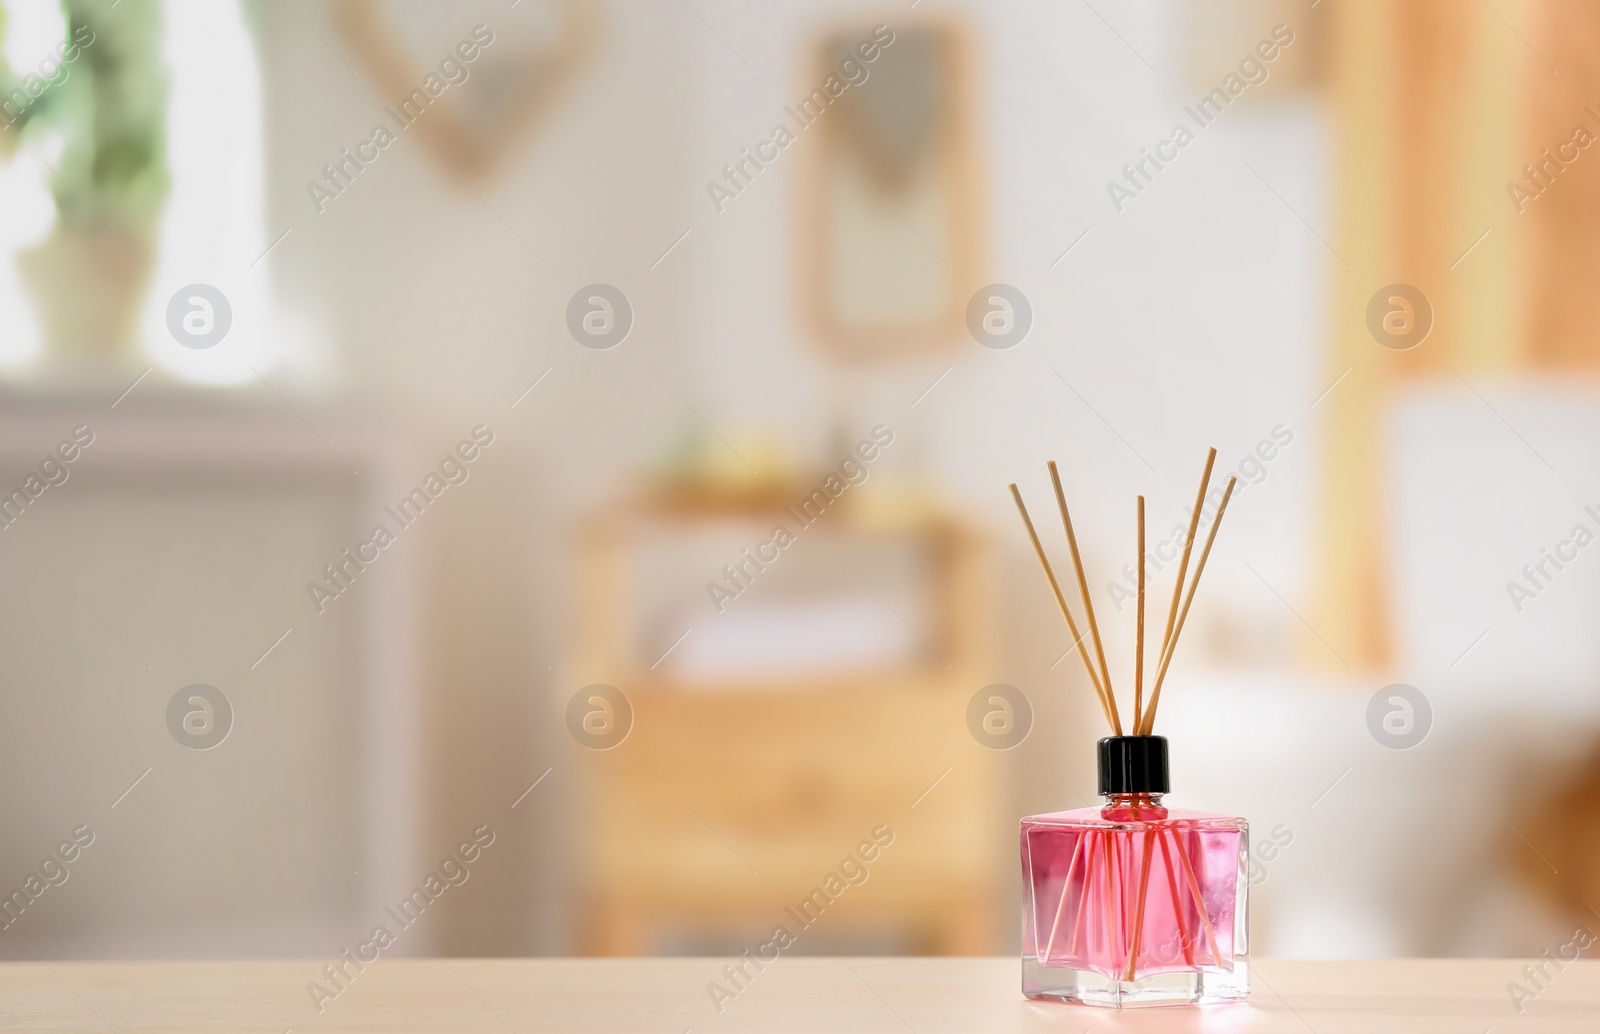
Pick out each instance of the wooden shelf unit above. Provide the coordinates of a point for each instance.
(731, 800)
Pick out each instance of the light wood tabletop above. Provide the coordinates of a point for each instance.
(832, 995)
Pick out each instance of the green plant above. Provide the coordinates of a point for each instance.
(108, 103)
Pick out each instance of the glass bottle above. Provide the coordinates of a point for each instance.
(1134, 903)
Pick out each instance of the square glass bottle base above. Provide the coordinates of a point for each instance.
(1087, 987)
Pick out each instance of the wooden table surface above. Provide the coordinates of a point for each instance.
(830, 995)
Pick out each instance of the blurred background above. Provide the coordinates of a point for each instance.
(402, 401)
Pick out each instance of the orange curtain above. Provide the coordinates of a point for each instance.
(1563, 229)
(1437, 107)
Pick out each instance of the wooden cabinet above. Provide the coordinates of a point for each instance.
(739, 790)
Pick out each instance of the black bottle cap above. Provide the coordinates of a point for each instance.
(1133, 764)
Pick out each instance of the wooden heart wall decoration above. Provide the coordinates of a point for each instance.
(480, 95)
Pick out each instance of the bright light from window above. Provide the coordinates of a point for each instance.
(212, 229)
(27, 212)
(33, 28)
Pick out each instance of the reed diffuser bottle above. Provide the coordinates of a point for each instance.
(1134, 903)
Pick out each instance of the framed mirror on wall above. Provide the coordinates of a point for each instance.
(517, 80)
(891, 233)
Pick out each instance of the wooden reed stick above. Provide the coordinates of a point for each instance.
(1066, 892)
(1199, 900)
(1138, 918)
(1072, 626)
(1088, 604)
(1138, 649)
(1166, 657)
(1083, 899)
(1112, 873)
(1184, 937)
(1188, 544)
